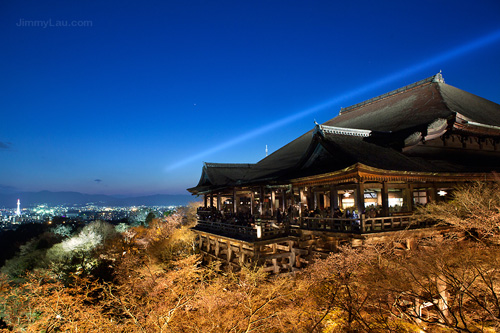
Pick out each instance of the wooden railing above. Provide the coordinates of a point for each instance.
(360, 225)
(261, 230)
(268, 229)
(329, 224)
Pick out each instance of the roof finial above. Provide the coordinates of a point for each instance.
(438, 77)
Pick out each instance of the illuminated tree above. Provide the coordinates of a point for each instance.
(75, 254)
(474, 209)
(44, 304)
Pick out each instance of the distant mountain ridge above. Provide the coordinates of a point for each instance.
(9, 200)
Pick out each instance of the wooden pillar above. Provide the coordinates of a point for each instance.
(315, 199)
(219, 206)
(385, 199)
(229, 252)
(360, 198)
(301, 203)
(252, 198)
(292, 255)
(334, 199)
(205, 200)
(261, 204)
(211, 200)
(432, 193)
(409, 197)
(283, 198)
(273, 201)
(217, 248)
(241, 257)
(235, 205)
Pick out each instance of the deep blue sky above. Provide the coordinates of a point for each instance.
(133, 103)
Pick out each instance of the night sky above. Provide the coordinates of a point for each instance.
(136, 96)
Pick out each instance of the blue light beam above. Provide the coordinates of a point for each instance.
(445, 56)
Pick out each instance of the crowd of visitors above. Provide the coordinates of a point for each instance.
(290, 215)
(213, 215)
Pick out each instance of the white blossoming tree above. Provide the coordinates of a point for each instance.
(75, 253)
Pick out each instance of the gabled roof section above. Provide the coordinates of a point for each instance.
(399, 110)
(470, 106)
(334, 151)
(330, 152)
(435, 78)
(418, 104)
(286, 157)
(219, 175)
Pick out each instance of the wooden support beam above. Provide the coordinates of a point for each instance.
(276, 269)
(217, 247)
(292, 254)
(432, 193)
(241, 256)
(409, 197)
(385, 199)
(252, 198)
(235, 205)
(273, 202)
(200, 242)
(283, 198)
(229, 251)
(360, 198)
(261, 203)
(303, 200)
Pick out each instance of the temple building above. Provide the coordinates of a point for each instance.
(351, 178)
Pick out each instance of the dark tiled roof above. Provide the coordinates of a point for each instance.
(417, 106)
(471, 106)
(332, 152)
(392, 117)
(216, 175)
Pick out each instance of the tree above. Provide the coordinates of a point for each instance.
(75, 254)
(149, 218)
(474, 209)
(31, 255)
(44, 304)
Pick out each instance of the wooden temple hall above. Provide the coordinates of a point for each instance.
(353, 179)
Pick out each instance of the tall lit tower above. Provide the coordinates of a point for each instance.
(18, 211)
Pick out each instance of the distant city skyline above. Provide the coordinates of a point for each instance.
(129, 98)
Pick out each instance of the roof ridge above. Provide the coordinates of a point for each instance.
(435, 78)
(228, 165)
